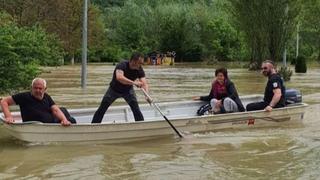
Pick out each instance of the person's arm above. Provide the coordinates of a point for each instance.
(275, 99)
(5, 103)
(145, 84)
(122, 79)
(207, 98)
(204, 98)
(196, 98)
(233, 94)
(232, 91)
(59, 115)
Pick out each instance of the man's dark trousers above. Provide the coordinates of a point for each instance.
(110, 97)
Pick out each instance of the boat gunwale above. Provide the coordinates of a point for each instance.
(252, 113)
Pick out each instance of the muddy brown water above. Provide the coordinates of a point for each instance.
(277, 153)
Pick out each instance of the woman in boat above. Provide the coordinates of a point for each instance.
(223, 96)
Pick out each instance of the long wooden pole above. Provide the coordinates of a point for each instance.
(157, 107)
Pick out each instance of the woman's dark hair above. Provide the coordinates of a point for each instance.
(223, 71)
(136, 56)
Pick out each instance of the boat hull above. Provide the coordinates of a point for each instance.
(126, 130)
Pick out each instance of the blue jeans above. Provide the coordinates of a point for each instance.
(110, 97)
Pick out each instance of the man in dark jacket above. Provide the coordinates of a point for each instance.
(274, 94)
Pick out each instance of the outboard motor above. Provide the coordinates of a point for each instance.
(293, 96)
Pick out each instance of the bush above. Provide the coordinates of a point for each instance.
(193, 30)
(35, 44)
(14, 74)
(301, 65)
(111, 54)
(285, 73)
(293, 61)
(22, 50)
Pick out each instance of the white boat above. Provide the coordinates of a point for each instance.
(118, 125)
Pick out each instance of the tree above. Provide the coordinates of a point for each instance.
(267, 25)
(195, 30)
(5, 18)
(21, 52)
(61, 18)
(310, 26)
(13, 73)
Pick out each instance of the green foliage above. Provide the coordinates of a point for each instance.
(267, 25)
(192, 29)
(62, 19)
(292, 60)
(22, 50)
(310, 29)
(207, 30)
(130, 30)
(107, 4)
(14, 74)
(109, 54)
(301, 65)
(285, 73)
(5, 18)
(225, 41)
(33, 44)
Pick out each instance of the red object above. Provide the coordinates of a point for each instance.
(251, 122)
(219, 90)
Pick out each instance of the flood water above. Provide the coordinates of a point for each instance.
(271, 153)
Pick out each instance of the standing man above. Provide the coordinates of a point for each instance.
(126, 75)
(36, 105)
(274, 94)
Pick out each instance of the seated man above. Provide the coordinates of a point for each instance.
(36, 105)
(274, 95)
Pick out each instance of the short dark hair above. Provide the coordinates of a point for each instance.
(269, 61)
(136, 56)
(223, 71)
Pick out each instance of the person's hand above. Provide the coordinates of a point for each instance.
(65, 123)
(218, 103)
(268, 108)
(148, 99)
(9, 120)
(137, 83)
(195, 98)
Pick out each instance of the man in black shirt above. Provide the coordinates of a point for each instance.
(274, 94)
(126, 75)
(36, 105)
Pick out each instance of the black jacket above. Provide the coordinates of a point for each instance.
(231, 93)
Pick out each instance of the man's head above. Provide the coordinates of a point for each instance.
(38, 88)
(267, 68)
(136, 61)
